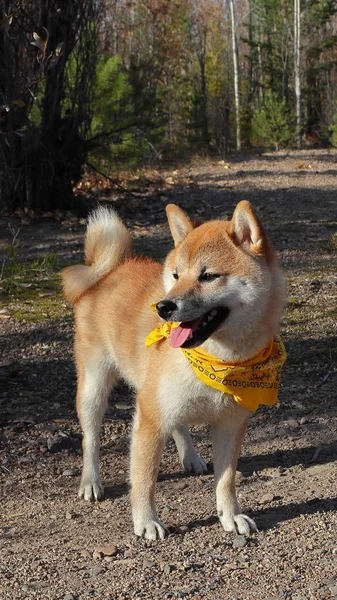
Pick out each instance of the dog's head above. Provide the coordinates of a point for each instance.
(221, 280)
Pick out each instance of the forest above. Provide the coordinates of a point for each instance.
(115, 83)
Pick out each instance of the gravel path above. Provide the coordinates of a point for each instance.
(54, 546)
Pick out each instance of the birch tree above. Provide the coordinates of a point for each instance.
(297, 68)
(236, 75)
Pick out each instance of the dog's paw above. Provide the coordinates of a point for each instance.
(150, 529)
(240, 523)
(193, 463)
(91, 490)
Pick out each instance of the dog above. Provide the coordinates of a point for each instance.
(195, 338)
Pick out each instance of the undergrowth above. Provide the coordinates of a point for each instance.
(30, 289)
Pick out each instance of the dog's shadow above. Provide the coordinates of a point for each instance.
(305, 456)
(266, 518)
(271, 517)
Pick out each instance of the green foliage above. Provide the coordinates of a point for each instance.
(112, 103)
(16, 273)
(122, 122)
(333, 242)
(333, 129)
(273, 124)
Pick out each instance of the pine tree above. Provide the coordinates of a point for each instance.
(273, 124)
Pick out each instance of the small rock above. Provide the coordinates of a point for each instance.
(69, 516)
(180, 486)
(70, 472)
(109, 550)
(167, 569)
(63, 442)
(97, 570)
(69, 597)
(243, 559)
(239, 541)
(266, 499)
(85, 554)
(147, 564)
(96, 554)
(291, 423)
(167, 509)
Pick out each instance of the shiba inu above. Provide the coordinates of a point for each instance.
(205, 353)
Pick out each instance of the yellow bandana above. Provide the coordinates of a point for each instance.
(251, 383)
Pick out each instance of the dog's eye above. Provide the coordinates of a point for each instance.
(208, 276)
(175, 275)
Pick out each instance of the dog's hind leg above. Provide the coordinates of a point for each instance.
(190, 460)
(95, 379)
(226, 446)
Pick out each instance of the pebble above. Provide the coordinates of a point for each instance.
(108, 550)
(85, 554)
(69, 515)
(167, 569)
(291, 423)
(180, 485)
(69, 597)
(70, 472)
(147, 564)
(63, 442)
(266, 499)
(239, 541)
(96, 570)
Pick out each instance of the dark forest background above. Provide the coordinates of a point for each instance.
(118, 83)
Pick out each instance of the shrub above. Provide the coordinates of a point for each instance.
(273, 124)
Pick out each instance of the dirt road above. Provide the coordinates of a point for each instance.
(54, 546)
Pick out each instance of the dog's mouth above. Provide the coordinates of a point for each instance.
(190, 334)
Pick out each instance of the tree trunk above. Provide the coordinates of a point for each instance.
(297, 69)
(236, 77)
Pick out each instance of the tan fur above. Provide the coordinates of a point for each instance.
(112, 296)
(107, 243)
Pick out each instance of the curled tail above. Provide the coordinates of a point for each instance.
(107, 244)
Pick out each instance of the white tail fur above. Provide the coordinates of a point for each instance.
(107, 244)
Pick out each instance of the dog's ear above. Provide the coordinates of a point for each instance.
(246, 230)
(180, 224)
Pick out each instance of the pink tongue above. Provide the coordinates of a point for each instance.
(180, 334)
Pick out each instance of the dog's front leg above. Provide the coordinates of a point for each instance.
(146, 450)
(190, 460)
(227, 441)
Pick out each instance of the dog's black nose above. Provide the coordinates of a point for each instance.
(166, 308)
